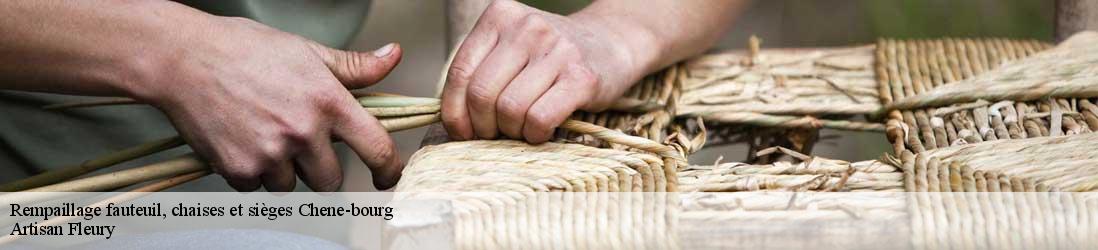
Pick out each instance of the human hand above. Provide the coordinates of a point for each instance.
(260, 105)
(523, 71)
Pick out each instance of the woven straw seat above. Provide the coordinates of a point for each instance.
(782, 220)
(733, 87)
(778, 97)
(812, 174)
(1061, 163)
(949, 135)
(1003, 221)
(909, 69)
(964, 115)
(757, 96)
(929, 86)
(505, 165)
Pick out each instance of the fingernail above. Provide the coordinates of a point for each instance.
(384, 51)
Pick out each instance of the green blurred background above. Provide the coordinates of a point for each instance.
(841, 22)
(911, 18)
(419, 26)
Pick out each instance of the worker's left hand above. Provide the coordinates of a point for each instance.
(523, 71)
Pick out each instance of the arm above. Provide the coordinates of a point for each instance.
(522, 71)
(659, 33)
(258, 104)
(1074, 16)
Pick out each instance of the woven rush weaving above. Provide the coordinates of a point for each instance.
(785, 220)
(765, 97)
(1062, 163)
(783, 84)
(754, 220)
(912, 77)
(505, 165)
(779, 97)
(989, 220)
(967, 117)
(911, 69)
(948, 135)
(811, 174)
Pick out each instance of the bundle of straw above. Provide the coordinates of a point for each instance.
(395, 113)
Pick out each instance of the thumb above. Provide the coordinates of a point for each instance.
(361, 69)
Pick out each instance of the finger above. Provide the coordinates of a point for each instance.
(243, 184)
(455, 115)
(241, 175)
(360, 69)
(372, 144)
(575, 87)
(517, 98)
(489, 80)
(280, 178)
(319, 167)
(241, 178)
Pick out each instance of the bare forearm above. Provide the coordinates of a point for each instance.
(84, 47)
(661, 32)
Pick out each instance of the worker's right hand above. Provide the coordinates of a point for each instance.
(262, 106)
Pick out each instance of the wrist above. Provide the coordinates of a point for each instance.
(149, 64)
(639, 48)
